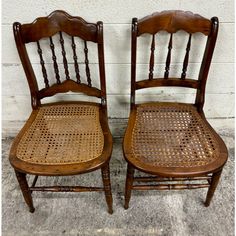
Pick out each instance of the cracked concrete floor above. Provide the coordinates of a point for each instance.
(150, 213)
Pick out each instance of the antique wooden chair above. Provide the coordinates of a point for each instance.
(172, 141)
(62, 138)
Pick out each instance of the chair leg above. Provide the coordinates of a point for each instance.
(212, 188)
(128, 185)
(21, 177)
(107, 187)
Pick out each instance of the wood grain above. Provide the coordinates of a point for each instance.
(172, 21)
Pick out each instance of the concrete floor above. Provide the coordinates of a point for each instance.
(150, 213)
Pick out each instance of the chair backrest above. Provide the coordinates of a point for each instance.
(171, 22)
(46, 27)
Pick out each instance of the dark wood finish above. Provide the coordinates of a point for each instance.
(133, 60)
(87, 64)
(34, 181)
(168, 58)
(32, 82)
(172, 186)
(151, 63)
(213, 184)
(54, 58)
(44, 71)
(67, 189)
(107, 187)
(61, 22)
(159, 82)
(206, 62)
(129, 184)
(207, 175)
(66, 86)
(156, 178)
(75, 60)
(185, 64)
(101, 63)
(21, 177)
(169, 186)
(172, 21)
(58, 22)
(63, 52)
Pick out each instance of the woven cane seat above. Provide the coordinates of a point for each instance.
(62, 134)
(171, 135)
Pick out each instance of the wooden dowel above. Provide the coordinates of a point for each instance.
(64, 56)
(87, 64)
(66, 189)
(168, 58)
(54, 58)
(44, 71)
(73, 45)
(151, 62)
(169, 186)
(160, 179)
(185, 64)
(34, 182)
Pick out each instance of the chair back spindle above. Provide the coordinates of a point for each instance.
(185, 64)
(54, 58)
(44, 71)
(87, 64)
(64, 56)
(73, 45)
(151, 63)
(168, 58)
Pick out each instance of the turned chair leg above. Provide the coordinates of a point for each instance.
(128, 185)
(21, 177)
(212, 188)
(107, 187)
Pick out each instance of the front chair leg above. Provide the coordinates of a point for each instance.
(107, 186)
(128, 185)
(21, 177)
(212, 188)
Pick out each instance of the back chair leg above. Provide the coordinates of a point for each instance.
(128, 185)
(212, 188)
(107, 187)
(21, 177)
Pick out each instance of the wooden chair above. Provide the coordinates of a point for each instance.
(172, 141)
(62, 138)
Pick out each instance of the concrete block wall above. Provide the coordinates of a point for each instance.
(117, 16)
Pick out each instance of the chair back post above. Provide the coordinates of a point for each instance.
(101, 62)
(32, 82)
(133, 60)
(206, 62)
